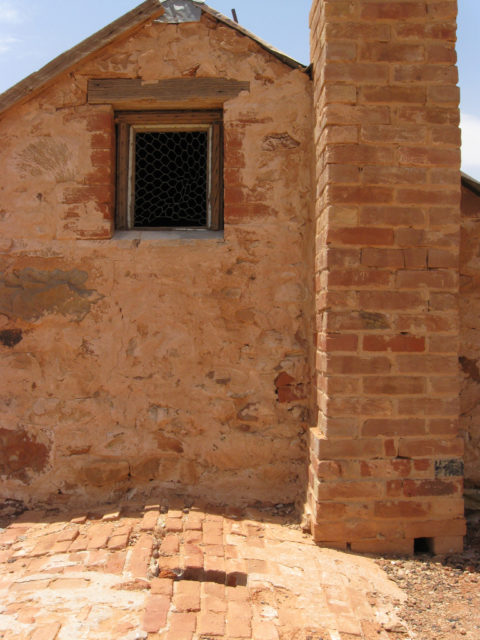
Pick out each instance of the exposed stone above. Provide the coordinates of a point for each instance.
(11, 337)
(21, 454)
(278, 141)
(103, 472)
(30, 293)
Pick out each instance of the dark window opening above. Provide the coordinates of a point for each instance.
(171, 179)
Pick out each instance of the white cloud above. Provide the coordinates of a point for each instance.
(8, 12)
(470, 143)
(6, 43)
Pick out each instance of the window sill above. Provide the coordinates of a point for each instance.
(166, 235)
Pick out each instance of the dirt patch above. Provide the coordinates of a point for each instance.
(443, 592)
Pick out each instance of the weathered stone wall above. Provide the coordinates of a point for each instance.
(386, 462)
(151, 364)
(470, 333)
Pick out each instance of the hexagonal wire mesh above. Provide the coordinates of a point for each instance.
(171, 175)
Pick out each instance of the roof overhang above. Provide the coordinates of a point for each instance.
(470, 183)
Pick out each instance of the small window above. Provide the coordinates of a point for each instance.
(169, 170)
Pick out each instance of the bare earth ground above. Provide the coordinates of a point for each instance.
(443, 592)
(177, 572)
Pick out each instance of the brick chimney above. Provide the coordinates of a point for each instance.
(386, 460)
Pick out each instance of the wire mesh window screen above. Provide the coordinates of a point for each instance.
(171, 179)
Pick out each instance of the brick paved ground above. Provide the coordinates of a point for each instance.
(183, 574)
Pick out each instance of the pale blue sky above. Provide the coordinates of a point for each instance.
(32, 32)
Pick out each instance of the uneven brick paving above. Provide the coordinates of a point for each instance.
(183, 574)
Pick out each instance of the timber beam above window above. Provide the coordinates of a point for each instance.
(123, 91)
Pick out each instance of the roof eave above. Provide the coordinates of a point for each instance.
(37, 80)
(291, 62)
(470, 183)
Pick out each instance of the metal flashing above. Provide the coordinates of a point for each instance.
(178, 11)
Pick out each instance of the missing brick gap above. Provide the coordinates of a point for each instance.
(422, 546)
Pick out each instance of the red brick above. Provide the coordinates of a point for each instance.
(391, 52)
(442, 9)
(345, 449)
(155, 617)
(423, 363)
(428, 31)
(348, 490)
(351, 364)
(430, 114)
(141, 555)
(399, 545)
(340, 51)
(80, 544)
(401, 343)
(382, 257)
(361, 114)
(98, 535)
(443, 426)
(193, 566)
(391, 300)
(239, 620)
(357, 31)
(101, 194)
(174, 525)
(214, 567)
(393, 427)
(428, 73)
(162, 586)
(182, 626)
(119, 540)
(170, 544)
(413, 488)
(438, 259)
(357, 72)
(420, 448)
(100, 121)
(401, 509)
(194, 522)
(392, 216)
(431, 279)
(360, 154)
(187, 596)
(392, 94)
(149, 520)
(265, 631)
(424, 529)
(392, 10)
(446, 93)
(447, 544)
(210, 623)
(394, 385)
(339, 342)
(359, 278)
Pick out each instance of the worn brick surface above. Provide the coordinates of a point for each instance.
(289, 586)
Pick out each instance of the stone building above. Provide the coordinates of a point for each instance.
(284, 327)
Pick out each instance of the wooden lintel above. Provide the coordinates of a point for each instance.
(120, 91)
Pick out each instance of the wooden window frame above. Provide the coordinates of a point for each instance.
(128, 122)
